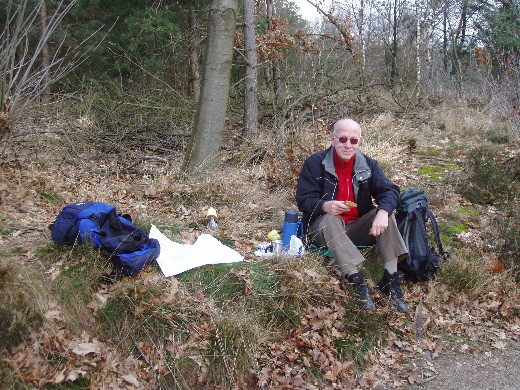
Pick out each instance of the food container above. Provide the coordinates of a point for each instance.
(277, 246)
(274, 235)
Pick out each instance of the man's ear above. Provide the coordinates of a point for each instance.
(331, 136)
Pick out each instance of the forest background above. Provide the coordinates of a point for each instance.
(102, 100)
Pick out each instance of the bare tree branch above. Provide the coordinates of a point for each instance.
(23, 79)
(343, 29)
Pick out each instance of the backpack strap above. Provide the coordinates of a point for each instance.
(414, 214)
(418, 214)
(436, 232)
(406, 230)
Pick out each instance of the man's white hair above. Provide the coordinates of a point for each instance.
(346, 121)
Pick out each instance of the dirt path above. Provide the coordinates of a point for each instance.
(491, 370)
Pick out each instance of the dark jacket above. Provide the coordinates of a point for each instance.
(318, 182)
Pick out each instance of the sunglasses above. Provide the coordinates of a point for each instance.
(344, 140)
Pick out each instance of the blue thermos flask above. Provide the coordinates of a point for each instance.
(290, 228)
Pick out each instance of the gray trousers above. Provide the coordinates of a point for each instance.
(342, 238)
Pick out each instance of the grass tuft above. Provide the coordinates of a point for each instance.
(491, 181)
(19, 313)
(467, 272)
(76, 276)
(233, 346)
(366, 331)
(497, 137)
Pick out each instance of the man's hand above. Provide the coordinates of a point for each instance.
(380, 223)
(335, 207)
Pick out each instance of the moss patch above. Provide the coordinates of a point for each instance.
(438, 171)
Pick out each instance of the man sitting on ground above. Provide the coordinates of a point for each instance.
(335, 193)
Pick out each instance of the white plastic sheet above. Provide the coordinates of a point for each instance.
(176, 258)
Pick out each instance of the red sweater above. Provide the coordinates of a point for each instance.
(345, 188)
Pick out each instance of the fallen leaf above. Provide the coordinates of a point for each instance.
(500, 345)
(86, 348)
(420, 319)
(54, 315)
(75, 374)
(329, 375)
(130, 379)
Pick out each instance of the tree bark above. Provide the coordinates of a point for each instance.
(393, 69)
(251, 81)
(445, 36)
(362, 34)
(46, 58)
(206, 138)
(277, 81)
(459, 38)
(194, 56)
(418, 39)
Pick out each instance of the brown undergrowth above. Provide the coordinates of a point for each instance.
(275, 322)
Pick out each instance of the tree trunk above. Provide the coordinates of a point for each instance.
(393, 69)
(275, 63)
(418, 39)
(362, 35)
(251, 81)
(445, 36)
(459, 39)
(205, 141)
(46, 60)
(194, 56)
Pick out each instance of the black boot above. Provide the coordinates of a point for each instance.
(390, 285)
(359, 283)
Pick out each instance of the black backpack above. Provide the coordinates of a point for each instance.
(99, 225)
(412, 216)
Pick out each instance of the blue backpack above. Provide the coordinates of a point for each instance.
(98, 224)
(412, 217)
